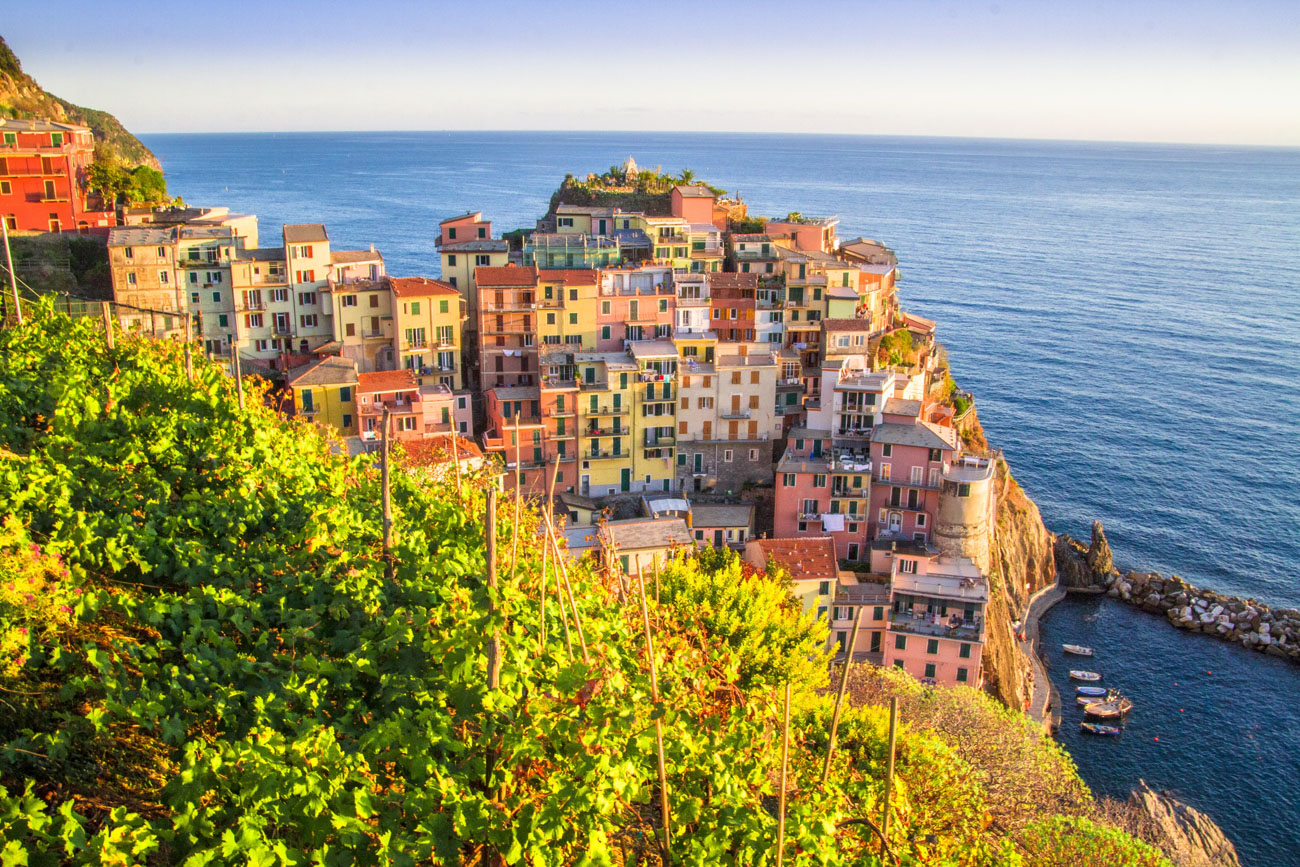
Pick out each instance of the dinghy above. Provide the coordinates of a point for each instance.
(1077, 649)
(1091, 690)
(1099, 729)
(1090, 676)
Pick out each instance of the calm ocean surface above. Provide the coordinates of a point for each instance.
(1128, 317)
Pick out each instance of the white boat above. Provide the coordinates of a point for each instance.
(1077, 649)
(1090, 676)
(1091, 691)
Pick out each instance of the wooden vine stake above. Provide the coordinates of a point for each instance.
(839, 696)
(889, 773)
(239, 377)
(785, 769)
(387, 499)
(108, 320)
(519, 494)
(494, 639)
(455, 457)
(189, 355)
(659, 722)
(546, 549)
(568, 589)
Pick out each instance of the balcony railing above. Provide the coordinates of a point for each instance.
(619, 431)
(904, 483)
(593, 386)
(922, 625)
(603, 456)
(608, 410)
(736, 413)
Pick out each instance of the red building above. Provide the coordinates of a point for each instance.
(44, 170)
(733, 301)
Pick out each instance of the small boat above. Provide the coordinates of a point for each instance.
(1102, 695)
(1099, 729)
(1090, 676)
(1113, 708)
(1091, 690)
(1077, 649)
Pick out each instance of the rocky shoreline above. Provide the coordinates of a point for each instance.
(1254, 625)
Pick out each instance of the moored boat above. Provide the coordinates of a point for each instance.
(1091, 690)
(1077, 649)
(1113, 708)
(1091, 676)
(1099, 728)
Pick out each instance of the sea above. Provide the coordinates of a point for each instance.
(1127, 316)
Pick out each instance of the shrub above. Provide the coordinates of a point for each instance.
(1070, 841)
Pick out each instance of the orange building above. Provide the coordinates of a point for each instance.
(44, 172)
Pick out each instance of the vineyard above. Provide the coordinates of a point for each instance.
(206, 657)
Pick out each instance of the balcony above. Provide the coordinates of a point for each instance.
(694, 302)
(414, 345)
(850, 493)
(603, 456)
(661, 440)
(936, 627)
(593, 386)
(618, 431)
(736, 413)
(789, 380)
(251, 307)
(556, 382)
(607, 410)
(282, 330)
(903, 483)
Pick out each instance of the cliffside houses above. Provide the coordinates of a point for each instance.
(656, 366)
(44, 178)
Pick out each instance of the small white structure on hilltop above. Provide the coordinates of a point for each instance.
(629, 167)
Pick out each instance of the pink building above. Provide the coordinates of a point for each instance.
(469, 226)
(936, 619)
(909, 456)
(818, 494)
(694, 203)
(636, 303)
(415, 411)
(507, 326)
(808, 233)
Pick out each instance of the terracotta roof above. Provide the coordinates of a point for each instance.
(507, 276)
(301, 233)
(420, 287)
(476, 216)
(805, 559)
(580, 276)
(387, 380)
(846, 325)
(729, 280)
(331, 370)
(344, 257)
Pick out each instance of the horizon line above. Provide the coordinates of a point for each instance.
(755, 133)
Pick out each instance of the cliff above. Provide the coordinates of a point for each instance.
(22, 97)
(1189, 837)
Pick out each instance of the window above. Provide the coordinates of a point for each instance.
(819, 480)
(887, 451)
(451, 234)
(565, 222)
(964, 651)
(347, 420)
(306, 276)
(223, 321)
(573, 319)
(406, 422)
(962, 675)
(932, 646)
(345, 394)
(442, 307)
(604, 332)
(216, 297)
(753, 455)
(803, 526)
(280, 295)
(415, 308)
(482, 260)
(906, 566)
(130, 278)
(255, 320)
(56, 139)
(194, 298)
(307, 320)
(726, 456)
(929, 669)
(306, 298)
(821, 611)
(824, 588)
(789, 480)
(878, 613)
(900, 643)
(163, 278)
(451, 260)
(305, 251)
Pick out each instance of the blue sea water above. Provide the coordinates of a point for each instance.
(1127, 315)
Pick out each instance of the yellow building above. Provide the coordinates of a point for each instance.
(671, 243)
(654, 422)
(426, 339)
(567, 305)
(324, 391)
(363, 323)
(606, 387)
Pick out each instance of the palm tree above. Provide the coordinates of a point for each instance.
(687, 176)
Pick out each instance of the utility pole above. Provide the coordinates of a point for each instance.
(13, 278)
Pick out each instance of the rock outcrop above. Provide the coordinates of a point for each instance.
(1090, 568)
(1187, 835)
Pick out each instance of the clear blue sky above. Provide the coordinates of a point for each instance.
(1224, 72)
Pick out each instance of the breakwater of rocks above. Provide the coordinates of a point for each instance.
(1251, 624)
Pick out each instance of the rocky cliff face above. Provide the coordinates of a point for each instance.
(1188, 836)
(1085, 568)
(22, 97)
(1022, 564)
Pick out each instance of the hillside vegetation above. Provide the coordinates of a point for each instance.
(22, 97)
(202, 661)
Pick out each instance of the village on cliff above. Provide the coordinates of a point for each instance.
(670, 370)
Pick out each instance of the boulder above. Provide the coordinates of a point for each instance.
(1186, 833)
(1099, 559)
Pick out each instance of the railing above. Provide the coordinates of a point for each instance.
(904, 483)
(583, 385)
(661, 441)
(608, 410)
(555, 382)
(790, 380)
(619, 431)
(282, 330)
(12, 172)
(603, 456)
(966, 631)
(736, 413)
(415, 344)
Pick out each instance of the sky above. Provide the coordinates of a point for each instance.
(1190, 71)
